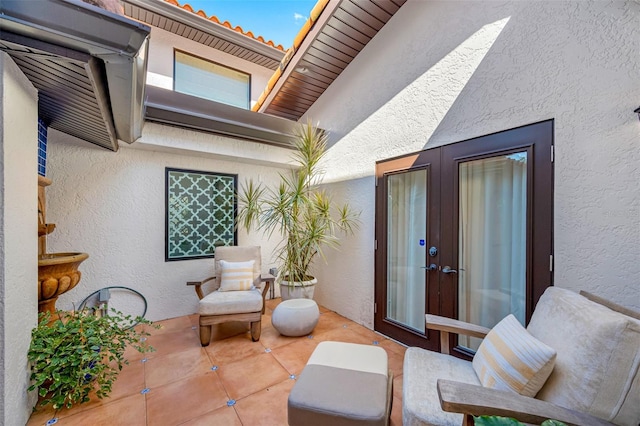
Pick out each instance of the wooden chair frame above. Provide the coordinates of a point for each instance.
(255, 318)
(473, 400)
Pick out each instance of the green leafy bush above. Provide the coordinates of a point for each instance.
(79, 352)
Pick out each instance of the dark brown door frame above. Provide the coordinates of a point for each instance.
(429, 160)
(537, 140)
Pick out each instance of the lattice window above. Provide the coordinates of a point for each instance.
(200, 213)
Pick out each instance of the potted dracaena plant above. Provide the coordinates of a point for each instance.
(302, 212)
(79, 352)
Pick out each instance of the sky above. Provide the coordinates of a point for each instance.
(277, 20)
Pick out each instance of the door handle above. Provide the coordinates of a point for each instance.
(431, 267)
(447, 270)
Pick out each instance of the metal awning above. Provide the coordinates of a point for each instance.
(88, 64)
(190, 112)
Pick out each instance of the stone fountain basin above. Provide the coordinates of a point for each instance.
(58, 273)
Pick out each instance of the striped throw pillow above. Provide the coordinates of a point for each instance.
(236, 275)
(509, 358)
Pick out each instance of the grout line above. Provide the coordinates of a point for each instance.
(260, 390)
(238, 415)
(146, 414)
(223, 385)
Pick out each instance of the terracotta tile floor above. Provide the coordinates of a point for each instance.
(233, 381)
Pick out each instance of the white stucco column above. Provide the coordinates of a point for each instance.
(18, 238)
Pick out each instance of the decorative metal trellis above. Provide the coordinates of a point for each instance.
(200, 213)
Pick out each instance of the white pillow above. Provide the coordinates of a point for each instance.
(236, 276)
(509, 358)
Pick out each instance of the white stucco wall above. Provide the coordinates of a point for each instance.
(160, 67)
(158, 137)
(18, 238)
(112, 206)
(441, 72)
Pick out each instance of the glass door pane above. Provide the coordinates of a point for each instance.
(406, 248)
(492, 241)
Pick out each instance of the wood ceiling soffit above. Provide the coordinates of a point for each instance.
(348, 31)
(289, 106)
(318, 16)
(157, 19)
(286, 113)
(299, 79)
(378, 12)
(343, 33)
(317, 78)
(293, 92)
(333, 51)
(317, 70)
(295, 87)
(337, 36)
(287, 98)
(355, 23)
(294, 96)
(350, 49)
(362, 15)
(322, 63)
(327, 58)
(388, 6)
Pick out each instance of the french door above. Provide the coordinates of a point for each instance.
(464, 231)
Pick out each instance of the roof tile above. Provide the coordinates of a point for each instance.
(227, 24)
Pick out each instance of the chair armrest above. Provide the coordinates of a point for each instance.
(449, 325)
(473, 400)
(268, 279)
(198, 285)
(611, 305)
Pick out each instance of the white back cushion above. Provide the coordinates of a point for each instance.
(236, 276)
(238, 254)
(598, 357)
(509, 358)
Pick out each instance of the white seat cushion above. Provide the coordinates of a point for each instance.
(351, 356)
(420, 373)
(231, 302)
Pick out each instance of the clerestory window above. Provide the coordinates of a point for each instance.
(206, 79)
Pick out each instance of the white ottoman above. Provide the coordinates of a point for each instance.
(343, 384)
(295, 317)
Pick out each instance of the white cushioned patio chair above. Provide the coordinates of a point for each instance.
(236, 291)
(587, 347)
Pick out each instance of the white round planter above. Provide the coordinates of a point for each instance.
(297, 290)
